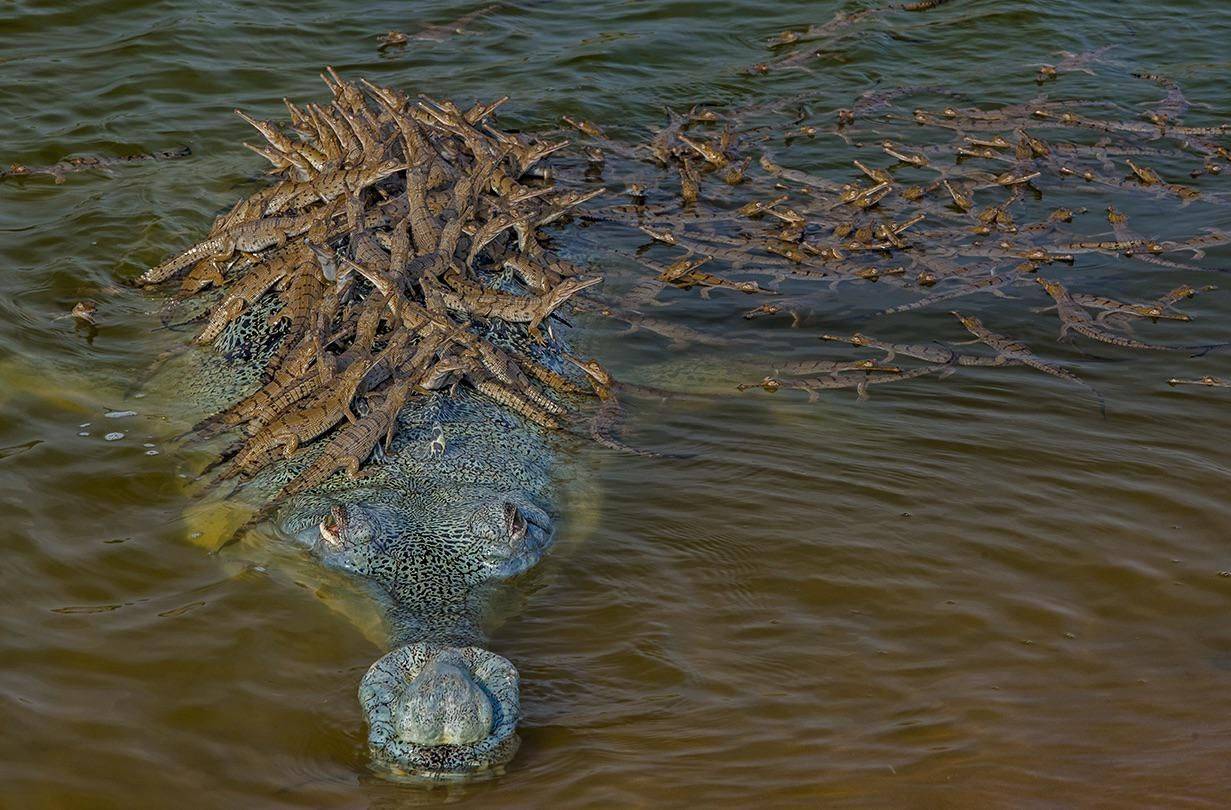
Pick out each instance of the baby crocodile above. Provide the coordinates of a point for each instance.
(857, 380)
(1019, 352)
(1213, 382)
(937, 353)
(1073, 316)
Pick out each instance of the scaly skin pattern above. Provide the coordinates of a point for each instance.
(441, 710)
(460, 503)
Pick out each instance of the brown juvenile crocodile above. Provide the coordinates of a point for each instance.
(1019, 352)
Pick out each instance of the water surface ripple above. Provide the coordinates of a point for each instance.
(964, 592)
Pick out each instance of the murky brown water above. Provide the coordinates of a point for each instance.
(963, 592)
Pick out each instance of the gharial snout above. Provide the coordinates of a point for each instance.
(437, 712)
(444, 705)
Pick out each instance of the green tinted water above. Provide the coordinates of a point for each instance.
(966, 592)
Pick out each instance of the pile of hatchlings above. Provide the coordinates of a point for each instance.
(397, 232)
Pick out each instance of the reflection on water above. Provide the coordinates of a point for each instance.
(962, 592)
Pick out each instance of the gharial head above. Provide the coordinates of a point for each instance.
(438, 712)
(467, 536)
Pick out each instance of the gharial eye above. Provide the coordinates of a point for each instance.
(335, 521)
(514, 522)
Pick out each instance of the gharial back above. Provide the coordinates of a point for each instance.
(200, 381)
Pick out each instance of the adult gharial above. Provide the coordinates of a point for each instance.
(377, 342)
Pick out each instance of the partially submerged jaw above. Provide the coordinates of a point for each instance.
(438, 712)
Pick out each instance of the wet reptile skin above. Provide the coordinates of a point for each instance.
(460, 503)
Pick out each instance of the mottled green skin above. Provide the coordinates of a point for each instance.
(421, 692)
(202, 381)
(429, 527)
(437, 529)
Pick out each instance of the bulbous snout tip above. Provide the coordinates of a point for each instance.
(441, 713)
(444, 705)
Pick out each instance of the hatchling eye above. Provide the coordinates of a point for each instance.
(514, 522)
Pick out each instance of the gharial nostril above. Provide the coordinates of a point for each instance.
(440, 711)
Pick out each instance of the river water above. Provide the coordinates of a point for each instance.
(965, 592)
